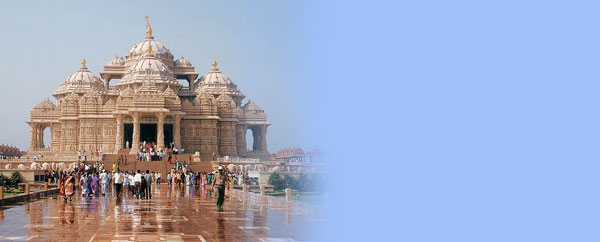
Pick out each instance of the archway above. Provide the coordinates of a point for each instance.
(47, 135)
(249, 139)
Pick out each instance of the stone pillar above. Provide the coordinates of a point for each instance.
(160, 133)
(46, 186)
(26, 188)
(106, 83)
(244, 188)
(262, 190)
(191, 85)
(1, 192)
(33, 140)
(256, 134)
(40, 136)
(240, 136)
(263, 138)
(135, 142)
(288, 194)
(119, 141)
(177, 131)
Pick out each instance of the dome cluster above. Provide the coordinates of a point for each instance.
(149, 60)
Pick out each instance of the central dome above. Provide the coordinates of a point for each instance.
(149, 68)
(158, 50)
(148, 64)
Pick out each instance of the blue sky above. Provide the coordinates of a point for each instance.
(262, 47)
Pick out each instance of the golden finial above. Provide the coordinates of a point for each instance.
(83, 61)
(214, 64)
(149, 50)
(148, 28)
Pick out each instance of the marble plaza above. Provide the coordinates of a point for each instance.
(186, 214)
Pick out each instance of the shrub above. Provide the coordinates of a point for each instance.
(14, 180)
(276, 180)
(290, 182)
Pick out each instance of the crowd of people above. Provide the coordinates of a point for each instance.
(149, 151)
(94, 181)
(83, 155)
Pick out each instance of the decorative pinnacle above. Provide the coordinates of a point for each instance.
(148, 28)
(149, 50)
(214, 64)
(83, 64)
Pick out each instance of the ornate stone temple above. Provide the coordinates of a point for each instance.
(148, 95)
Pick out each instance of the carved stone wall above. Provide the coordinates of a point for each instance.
(227, 139)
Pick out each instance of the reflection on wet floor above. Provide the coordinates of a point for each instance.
(186, 214)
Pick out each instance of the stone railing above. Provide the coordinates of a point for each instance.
(29, 159)
(238, 160)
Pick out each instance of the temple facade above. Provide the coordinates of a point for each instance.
(148, 95)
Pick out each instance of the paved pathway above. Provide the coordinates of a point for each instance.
(185, 214)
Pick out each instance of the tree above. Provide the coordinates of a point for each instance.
(15, 179)
(303, 182)
(290, 182)
(276, 180)
(4, 181)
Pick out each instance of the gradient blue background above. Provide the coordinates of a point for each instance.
(465, 120)
(444, 120)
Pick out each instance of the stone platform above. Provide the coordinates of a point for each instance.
(173, 214)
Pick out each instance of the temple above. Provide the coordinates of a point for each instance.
(148, 95)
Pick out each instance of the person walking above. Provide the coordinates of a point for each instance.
(219, 184)
(103, 182)
(138, 183)
(118, 180)
(148, 188)
(67, 187)
(95, 185)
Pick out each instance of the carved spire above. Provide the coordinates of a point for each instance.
(214, 66)
(83, 62)
(148, 28)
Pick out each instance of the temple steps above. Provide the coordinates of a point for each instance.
(153, 166)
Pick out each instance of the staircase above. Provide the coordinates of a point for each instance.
(153, 166)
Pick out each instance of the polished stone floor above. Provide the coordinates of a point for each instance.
(173, 214)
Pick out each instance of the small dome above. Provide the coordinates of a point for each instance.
(214, 76)
(45, 105)
(251, 106)
(81, 81)
(215, 82)
(182, 62)
(116, 61)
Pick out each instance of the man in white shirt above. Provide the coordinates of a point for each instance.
(138, 182)
(118, 180)
(131, 184)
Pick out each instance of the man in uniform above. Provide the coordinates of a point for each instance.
(219, 183)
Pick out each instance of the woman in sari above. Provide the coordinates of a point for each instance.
(61, 183)
(83, 182)
(94, 184)
(68, 187)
